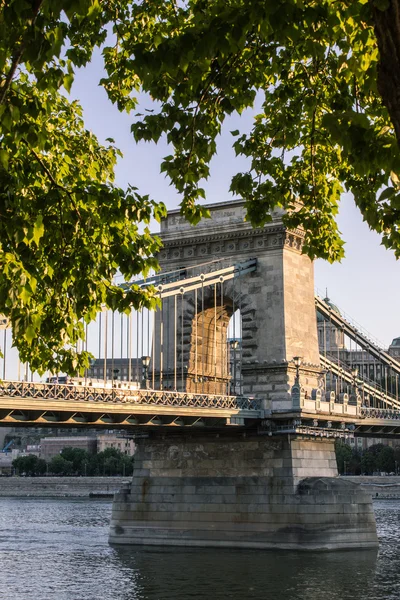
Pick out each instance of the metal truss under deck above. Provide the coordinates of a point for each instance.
(40, 403)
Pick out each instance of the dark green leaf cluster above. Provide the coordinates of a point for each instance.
(29, 465)
(378, 458)
(75, 461)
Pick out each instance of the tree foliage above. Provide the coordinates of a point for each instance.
(344, 457)
(58, 465)
(378, 458)
(65, 228)
(76, 461)
(111, 462)
(326, 73)
(29, 465)
(323, 127)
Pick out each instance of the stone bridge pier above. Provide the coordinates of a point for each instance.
(240, 490)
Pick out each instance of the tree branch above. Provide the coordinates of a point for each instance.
(50, 176)
(387, 31)
(18, 55)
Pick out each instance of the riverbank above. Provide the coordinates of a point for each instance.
(105, 487)
(60, 487)
(385, 487)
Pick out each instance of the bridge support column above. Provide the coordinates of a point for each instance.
(234, 491)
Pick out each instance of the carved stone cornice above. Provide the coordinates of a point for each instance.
(225, 235)
(227, 241)
(267, 367)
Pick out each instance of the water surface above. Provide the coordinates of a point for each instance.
(57, 549)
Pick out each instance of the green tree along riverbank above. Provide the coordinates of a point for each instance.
(378, 458)
(76, 462)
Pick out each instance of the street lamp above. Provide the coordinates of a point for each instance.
(297, 362)
(354, 373)
(145, 365)
(234, 344)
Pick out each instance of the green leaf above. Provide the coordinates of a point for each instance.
(30, 334)
(38, 229)
(4, 159)
(387, 193)
(68, 81)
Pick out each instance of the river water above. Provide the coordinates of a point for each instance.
(57, 549)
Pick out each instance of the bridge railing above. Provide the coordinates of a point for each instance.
(380, 413)
(363, 384)
(82, 393)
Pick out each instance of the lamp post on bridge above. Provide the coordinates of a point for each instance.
(296, 389)
(354, 373)
(297, 363)
(234, 344)
(145, 372)
(115, 375)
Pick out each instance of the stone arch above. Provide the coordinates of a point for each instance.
(192, 353)
(207, 337)
(208, 370)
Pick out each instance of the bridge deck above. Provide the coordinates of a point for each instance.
(41, 403)
(27, 403)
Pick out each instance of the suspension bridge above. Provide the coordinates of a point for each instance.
(224, 348)
(235, 388)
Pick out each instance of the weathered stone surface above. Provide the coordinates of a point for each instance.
(241, 492)
(270, 301)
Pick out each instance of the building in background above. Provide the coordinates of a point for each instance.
(117, 369)
(6, 465)
(116, 441)
(52, 446)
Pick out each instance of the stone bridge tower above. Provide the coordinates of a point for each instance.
(276, 304)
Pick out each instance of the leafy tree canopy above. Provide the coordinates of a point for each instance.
(330, 121)
(60, 466)
(65, 228)
(344, 455)
(323, 128)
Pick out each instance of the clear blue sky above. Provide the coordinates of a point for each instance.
(366, 285)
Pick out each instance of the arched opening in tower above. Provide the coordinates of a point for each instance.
(215, 349)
